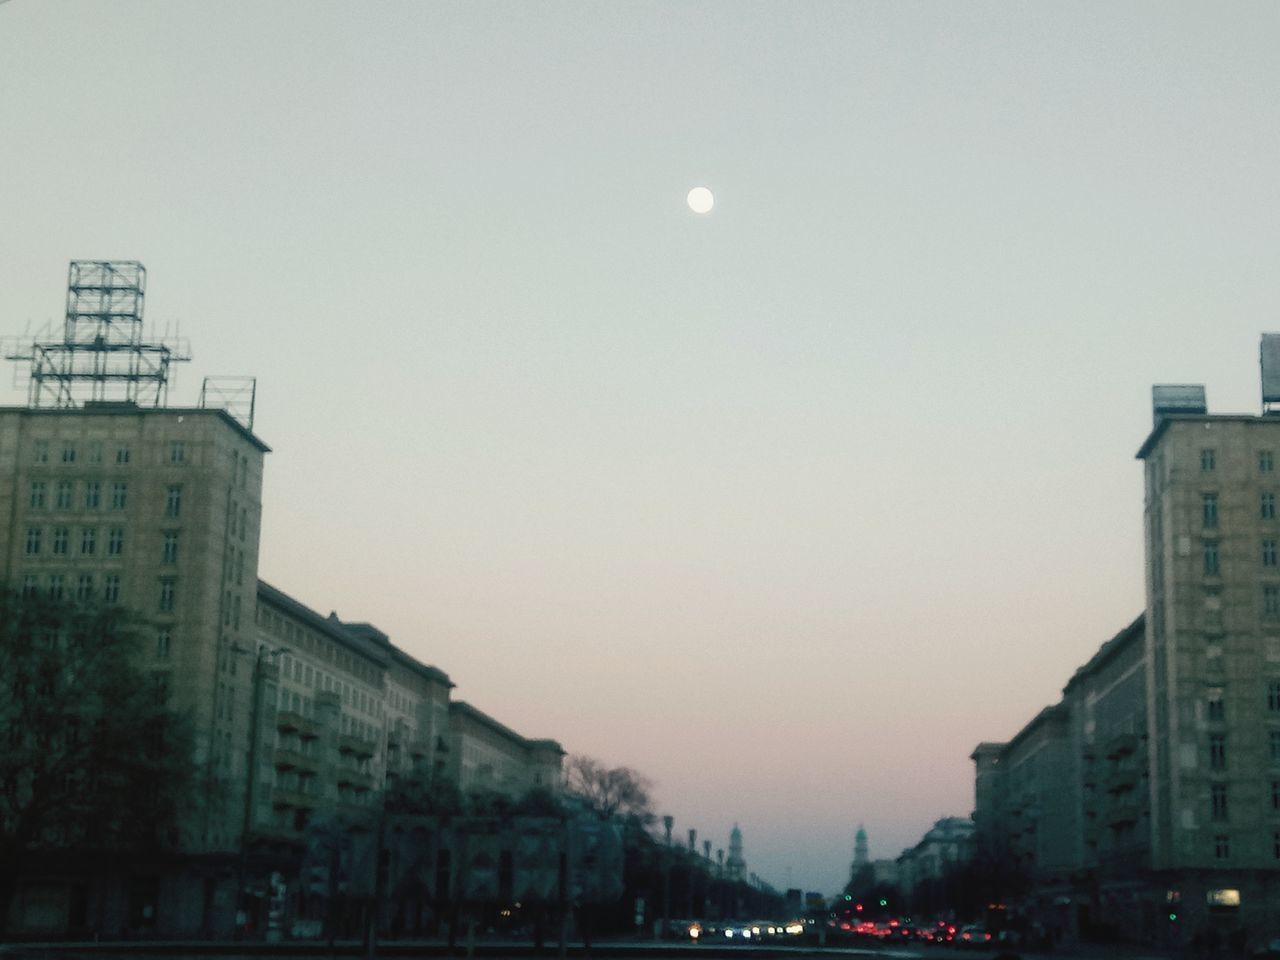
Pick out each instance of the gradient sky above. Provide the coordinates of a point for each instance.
(787, 506)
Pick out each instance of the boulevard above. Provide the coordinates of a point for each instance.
(609, 950)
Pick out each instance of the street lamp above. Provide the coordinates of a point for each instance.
(255, 684)
(667, 822)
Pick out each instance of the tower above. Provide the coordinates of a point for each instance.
(860, 856)
(736, 866)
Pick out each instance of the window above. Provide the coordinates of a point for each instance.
(169, 552)
(1273, 696)
(40, 451)
(1217, 751)
(173, 500)
(115, 542)
(33, 540)
(1218, 800)
(55, 586)
(166, 595)
(1271, 600)
(1275, 795)
(163, 639)
(177, 452)
(122, 454)
(111, 588)
(1210, 549)
(1268, 506)
(1215, 708)
(1275, 844)
(65, 490)
(1265, 461)
(92, 494)
(1209, 509)
(88, 541)
(1273, 739)
(84, 587)
(119, 494)
(1221, 847)
(61, 538)
(68, 453)
(29, 590)
(1268, 553)
(37, 494)
(1206, 461)
(243, 521)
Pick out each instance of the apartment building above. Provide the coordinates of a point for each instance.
(1212, 651)
(486, 755)
(157, 510)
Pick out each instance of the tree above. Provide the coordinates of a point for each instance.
(608, 792)
(92, 760)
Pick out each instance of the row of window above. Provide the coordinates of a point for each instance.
(61, 495)
(1222, 846)
(60, 541)
(1209, 460)
(1209, 508)
(91, 451)
(84, 586)
(1212, 556)
(1216, 708)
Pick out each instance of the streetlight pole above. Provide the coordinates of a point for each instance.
(667, 822)
(255, 686)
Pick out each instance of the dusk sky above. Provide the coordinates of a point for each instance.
(787, 505)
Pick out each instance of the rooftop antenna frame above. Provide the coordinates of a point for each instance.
(104, 355)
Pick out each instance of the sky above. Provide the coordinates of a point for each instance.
(788, 505)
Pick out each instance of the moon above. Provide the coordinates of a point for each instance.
(701, 200)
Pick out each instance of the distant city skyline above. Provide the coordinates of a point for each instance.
(786, 505)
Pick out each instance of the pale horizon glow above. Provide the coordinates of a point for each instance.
(841, 486)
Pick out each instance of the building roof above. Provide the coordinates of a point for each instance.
(362, 638)
(464, 710)
(1131, 634)
(116, 408)
(1158, 431)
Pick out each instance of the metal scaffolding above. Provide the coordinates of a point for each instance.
(103, 355)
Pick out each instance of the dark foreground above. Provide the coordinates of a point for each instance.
(152, 950)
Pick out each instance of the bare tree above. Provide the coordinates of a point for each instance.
(93, 760)
(608, 792)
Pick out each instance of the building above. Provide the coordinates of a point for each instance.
(486, 755)
(297, 716)
(1212, 650)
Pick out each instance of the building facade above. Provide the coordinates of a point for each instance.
(1212, 651)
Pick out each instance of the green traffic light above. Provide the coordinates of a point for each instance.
(1173, 916)
(884, 903)
(848, 897)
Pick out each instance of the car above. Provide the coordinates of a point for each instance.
(973, 937)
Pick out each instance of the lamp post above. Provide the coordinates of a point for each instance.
(667, 822)
(255, 686)
(693, 853)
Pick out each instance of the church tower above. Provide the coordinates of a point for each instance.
(735, 866)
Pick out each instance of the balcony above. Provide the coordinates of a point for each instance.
(1123, 812)
(419, 748)
(1122, 781)
(1122, 745)
(282, 797)
(360, 747)
(285, 759)
(354, 778)
(289, 722)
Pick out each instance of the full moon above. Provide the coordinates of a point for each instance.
(701, 200)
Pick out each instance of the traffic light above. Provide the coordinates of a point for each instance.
(884, 902)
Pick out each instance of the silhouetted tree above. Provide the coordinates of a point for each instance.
(92, 760)
(608, 792)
